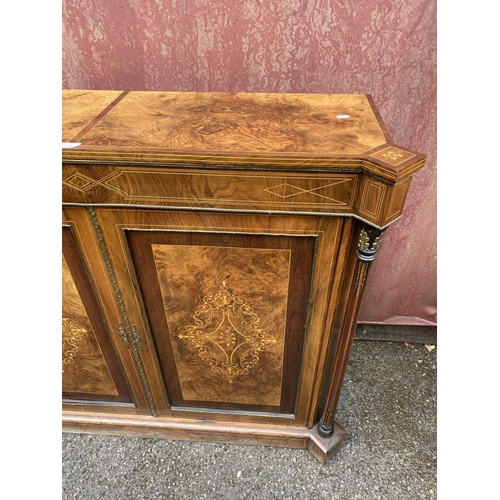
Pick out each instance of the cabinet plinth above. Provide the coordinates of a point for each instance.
(215, 251)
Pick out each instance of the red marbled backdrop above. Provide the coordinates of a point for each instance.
(386, 48)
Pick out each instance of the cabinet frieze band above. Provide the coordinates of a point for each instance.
(380, 203)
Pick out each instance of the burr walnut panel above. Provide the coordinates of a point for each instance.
(213, 122)
(295, 132)
(230, 327)
(90, 369)
(81, 107)
(223, 330)
(83, 365)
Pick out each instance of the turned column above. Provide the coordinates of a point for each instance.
(369, 239)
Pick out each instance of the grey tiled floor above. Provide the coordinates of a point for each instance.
(388, 407)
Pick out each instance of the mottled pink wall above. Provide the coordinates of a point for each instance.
(386, 48)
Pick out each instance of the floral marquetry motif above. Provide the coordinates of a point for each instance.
(226, 334)
(72, 335)
(84, 367)
(227, 341)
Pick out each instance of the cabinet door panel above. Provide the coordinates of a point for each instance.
(268, 280)
(227, 314)
(91, 371)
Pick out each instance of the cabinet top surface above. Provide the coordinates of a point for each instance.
(238, 127)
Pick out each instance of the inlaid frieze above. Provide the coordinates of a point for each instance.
(230, 189)
(372, 198)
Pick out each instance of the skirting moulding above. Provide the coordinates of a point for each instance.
(215, 251)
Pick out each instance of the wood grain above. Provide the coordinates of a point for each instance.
(80, 107)
(239, 296)
(118, 224)
(84, 367)
(215, 122)
(103, 301)
(368, 198)
(233, 311)
(224, 431)
(367, 248)
(91, 370)
(201, 188)
(295, 131)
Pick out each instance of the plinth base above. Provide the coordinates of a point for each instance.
(207, 431)
(323, 448)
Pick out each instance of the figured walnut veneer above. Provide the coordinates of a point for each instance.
(227, 189)
(216, 334)
(90, 369)
(217, 246)
(83, 365)
(240, 122)
(81, 108)
(234, 309)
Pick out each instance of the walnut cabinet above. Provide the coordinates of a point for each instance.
(215, 248)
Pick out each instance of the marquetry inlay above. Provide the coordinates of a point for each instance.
(72, 335)
(226, 334)
(393, 155)
(218, 246)
(82, 182)
(323, 191)
(227, 339)
(157, 186)
(372, 199)
(83, 364)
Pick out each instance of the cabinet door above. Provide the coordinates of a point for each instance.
(227, 315)
(91, 371)
(235, 308)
